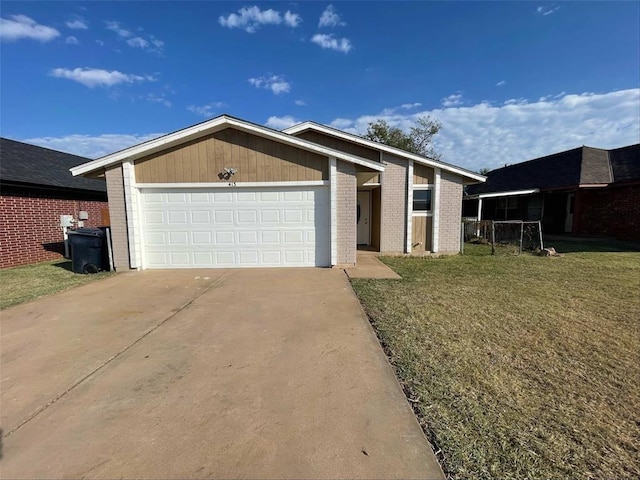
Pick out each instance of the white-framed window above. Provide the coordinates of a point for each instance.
(422, 200)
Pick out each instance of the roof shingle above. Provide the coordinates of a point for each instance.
(28, 164)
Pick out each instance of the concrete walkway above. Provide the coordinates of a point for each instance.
(269, 373)
(368, 266)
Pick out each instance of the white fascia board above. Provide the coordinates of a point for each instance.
(512, 193)
(386, 148)
(409, 227)
(222, 185)
(211, 126)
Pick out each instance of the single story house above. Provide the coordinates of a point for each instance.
(36, 188)
(230, 193)
(583, 191)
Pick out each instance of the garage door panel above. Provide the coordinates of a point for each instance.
(177, 198)
(199, 197)
(223, 217)
(177, 217)
(262, 227)
(178, 238)
(224, 238)
(246, 217)
(200, 216)
(202, 238)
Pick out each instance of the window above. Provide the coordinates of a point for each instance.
(422, 200)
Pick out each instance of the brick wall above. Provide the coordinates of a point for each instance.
(450, 213)
(346, 204)
(31, 230)
(119, 239)
(608, 212)
(394, 205)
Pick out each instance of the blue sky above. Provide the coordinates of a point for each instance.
(509, 81)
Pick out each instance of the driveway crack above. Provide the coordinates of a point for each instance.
(81, 380)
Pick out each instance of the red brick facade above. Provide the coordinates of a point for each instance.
(30, 230)
(612, 211)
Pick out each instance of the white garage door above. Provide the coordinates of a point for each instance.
(260, 227)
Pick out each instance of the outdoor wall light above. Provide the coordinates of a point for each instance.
(227, 173)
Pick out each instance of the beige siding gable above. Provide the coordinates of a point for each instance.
(256, 159)
(339, 144)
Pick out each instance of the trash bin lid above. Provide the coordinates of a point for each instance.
(94, 232)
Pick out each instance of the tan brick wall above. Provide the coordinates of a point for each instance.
(346, 209)
(118, 217)
(450, 213)
(394, 205)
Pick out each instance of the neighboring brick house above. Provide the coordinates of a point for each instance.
(36, 187)
(583, 191)
(230, 193)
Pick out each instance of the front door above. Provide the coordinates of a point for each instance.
(568, 219)
(364, 217)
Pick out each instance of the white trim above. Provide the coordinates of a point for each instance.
(212, 126)
(139, 223)
(310, 183)
(378, 146)
(369, 185)
(423, 186)
(511, 193)
(131, 208)
(409, 240)
(435, 224)
(333, 193)
(422, 214)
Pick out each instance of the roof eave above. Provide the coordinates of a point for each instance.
(301, 127)
(172, 139)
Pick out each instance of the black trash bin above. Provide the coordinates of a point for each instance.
(87, 250)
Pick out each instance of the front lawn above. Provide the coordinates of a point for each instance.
(22, 284)
(518, 366)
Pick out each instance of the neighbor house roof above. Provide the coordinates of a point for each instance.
(304, 126)
(582, 166)
(211, 126)
(625, 163)
(29, 165)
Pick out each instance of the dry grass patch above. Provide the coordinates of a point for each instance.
(23, 284)
(518, 367)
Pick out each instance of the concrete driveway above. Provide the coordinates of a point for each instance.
(266, 373)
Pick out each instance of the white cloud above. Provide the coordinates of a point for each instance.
(78, 23)
(328, 41)
(404, 106)
(207, 110)
(292, 19)
(342, 123)
(501, 83)
(280, 123)
(71, 40)
(330, 18)
(276, 83)
(490, 135)
(138, 42)
(452, 100)
(546, 10)
(160, 99)
(17, 27)
(151, 44)
(250, 18)
(116, 27)
(301, 103)
(100, 42)
(92, 146)
(94, 77)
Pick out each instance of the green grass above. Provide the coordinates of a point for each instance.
(23, 284)
(518, 366)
